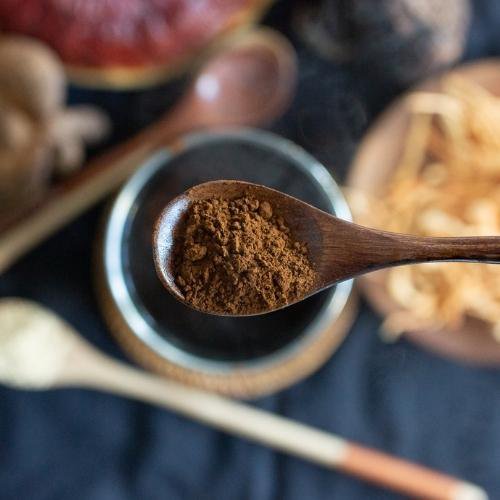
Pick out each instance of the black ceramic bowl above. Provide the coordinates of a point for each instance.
(239, 356)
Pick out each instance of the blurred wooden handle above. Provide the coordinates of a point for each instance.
(95, 181)
(405, 477)
(274, 431)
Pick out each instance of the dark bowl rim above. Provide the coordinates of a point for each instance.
(116, 223)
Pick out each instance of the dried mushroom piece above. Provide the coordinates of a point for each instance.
(24, 175)
(15, 127)
(69, 132)
(31, 77)
(39, 137)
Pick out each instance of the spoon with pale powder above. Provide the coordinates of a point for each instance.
(38, 350)
(217, 258)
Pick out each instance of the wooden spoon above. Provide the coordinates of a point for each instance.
(40, 351)
(338, 250)
(249, 83)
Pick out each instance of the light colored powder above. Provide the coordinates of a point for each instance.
(34, 344)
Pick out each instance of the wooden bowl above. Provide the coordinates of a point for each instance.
(373, 166)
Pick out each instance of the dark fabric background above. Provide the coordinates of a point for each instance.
(79, 445)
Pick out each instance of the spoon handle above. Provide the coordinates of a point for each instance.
(321, 447)
(350, 250)
(467, 249)
(413, 249)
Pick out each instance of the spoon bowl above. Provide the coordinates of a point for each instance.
(251, 82)
(169, 226)
(337, 249)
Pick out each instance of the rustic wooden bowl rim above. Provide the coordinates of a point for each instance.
(375, 159)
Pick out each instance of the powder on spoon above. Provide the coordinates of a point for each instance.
(238, 257)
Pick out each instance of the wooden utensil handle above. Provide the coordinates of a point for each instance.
(368, 249)
(400, 475)
(470, 249)
(380, 248)
(277, 432)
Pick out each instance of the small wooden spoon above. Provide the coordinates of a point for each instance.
(338, 250)
(39, 351)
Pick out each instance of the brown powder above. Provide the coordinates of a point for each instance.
(237, 257)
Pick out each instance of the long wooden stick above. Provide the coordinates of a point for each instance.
(271, 430)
